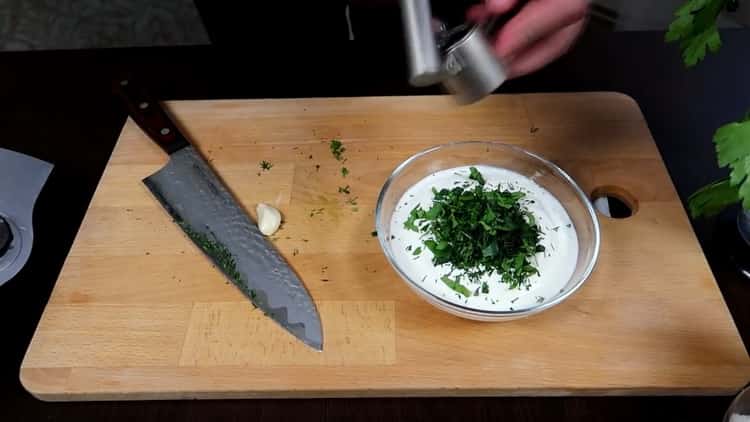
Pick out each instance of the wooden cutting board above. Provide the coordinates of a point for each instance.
(139, 313)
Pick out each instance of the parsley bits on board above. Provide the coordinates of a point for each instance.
(337, 149)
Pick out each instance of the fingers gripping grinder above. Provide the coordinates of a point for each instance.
(461, 58)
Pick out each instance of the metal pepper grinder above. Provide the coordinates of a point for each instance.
(461, 58)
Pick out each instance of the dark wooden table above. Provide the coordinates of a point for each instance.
(57, 106)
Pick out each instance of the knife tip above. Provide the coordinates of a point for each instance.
(318, 346)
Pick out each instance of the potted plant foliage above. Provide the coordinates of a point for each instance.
(695, 28)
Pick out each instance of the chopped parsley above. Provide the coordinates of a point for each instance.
(337, 149)
(476, 175)
(344, 171)
(410, 222)
(221, 256)
(374, 233)
(480, 232)
(345, 190)
(455, 286)
(265, 165)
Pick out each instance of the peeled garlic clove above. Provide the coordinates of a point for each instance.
(269, 219)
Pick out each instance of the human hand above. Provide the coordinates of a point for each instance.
(541, 32)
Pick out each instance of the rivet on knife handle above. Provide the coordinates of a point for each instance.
(150, 116)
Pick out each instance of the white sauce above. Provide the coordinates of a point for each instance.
(556, 264)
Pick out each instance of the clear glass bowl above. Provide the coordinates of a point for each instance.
(541, 171)
(739, 410)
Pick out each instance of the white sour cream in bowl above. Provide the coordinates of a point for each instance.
(567, 225)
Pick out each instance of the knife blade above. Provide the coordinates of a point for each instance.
(203, 207)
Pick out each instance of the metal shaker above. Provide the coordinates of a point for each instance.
(460, 58)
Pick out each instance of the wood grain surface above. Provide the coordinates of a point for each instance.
(139, 313)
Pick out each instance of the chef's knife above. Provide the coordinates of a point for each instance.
(208, 214)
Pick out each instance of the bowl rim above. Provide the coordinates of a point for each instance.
(473, 312)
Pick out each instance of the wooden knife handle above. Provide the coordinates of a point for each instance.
(150, 116)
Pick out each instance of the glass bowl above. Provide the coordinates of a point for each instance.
(541, 171)
(739, 410)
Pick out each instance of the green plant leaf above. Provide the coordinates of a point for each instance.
(695, 28)
(745, 187)
(691, 6)
(740, 170)
(711, 199)
(738, 174)
(694, 49)
(733, 148)
(732, 143)
(679, 27)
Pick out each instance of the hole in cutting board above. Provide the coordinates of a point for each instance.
(614, 202)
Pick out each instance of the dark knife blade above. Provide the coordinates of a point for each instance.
(205, 210)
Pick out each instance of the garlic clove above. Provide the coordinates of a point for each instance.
(269, 219)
